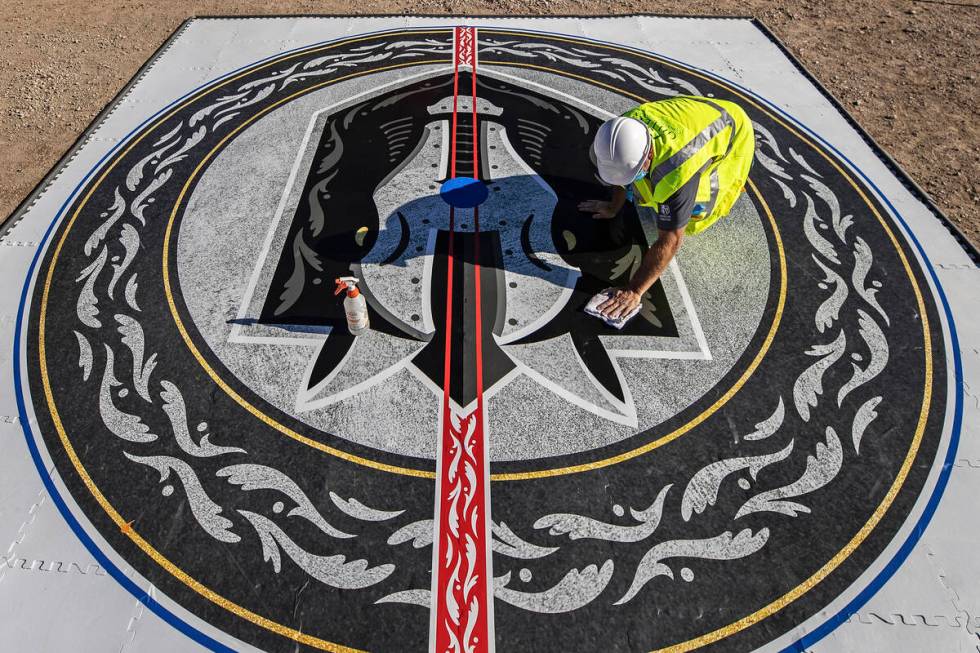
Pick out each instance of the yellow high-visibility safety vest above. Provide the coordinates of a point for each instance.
(696, 136)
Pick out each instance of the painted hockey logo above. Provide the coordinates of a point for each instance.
(488, 467)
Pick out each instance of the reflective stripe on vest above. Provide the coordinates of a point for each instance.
(645, 191)
(653, 189)
(695, 144)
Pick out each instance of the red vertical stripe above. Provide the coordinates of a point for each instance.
(452, 150)
(463, 587)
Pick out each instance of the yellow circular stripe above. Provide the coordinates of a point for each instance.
(513, 476)
(710, 410)
(309, 640)
(896, 486)
(122, 523)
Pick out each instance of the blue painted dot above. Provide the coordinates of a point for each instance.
(464, 192)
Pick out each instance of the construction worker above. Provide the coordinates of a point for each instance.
(687, 158)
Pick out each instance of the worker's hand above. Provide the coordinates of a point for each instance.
(600, 210)
(623, 301)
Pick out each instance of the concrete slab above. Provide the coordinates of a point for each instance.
(717, 474)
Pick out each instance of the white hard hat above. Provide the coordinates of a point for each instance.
(621, 146)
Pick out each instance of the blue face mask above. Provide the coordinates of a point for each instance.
(639, 176)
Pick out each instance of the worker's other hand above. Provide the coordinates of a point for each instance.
(600, 210)
(623, 301)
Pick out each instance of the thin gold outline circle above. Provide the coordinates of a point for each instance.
(713, 636)
(120, 522)
(409, 471)
(240, 400)
(896, 486)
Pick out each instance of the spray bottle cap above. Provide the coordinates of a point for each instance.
(348, 283)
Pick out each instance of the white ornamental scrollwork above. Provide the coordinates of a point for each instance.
(834, 249)
(112, 247)
(843, 262)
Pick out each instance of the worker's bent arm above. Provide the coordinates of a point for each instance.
(656, 259)
(654, 262)
(618, 199)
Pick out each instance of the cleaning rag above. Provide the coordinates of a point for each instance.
(592, 308)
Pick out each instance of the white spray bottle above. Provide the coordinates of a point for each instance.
(355, 307)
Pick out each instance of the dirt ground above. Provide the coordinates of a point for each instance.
(907, 70)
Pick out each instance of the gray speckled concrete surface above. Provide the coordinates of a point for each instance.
(726, 270)
(516, 194)
(397, 286)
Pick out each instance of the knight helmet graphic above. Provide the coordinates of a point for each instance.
(361, 213)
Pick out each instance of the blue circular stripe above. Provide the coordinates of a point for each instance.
(821, 631)
(110, 567)
(807, 640)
